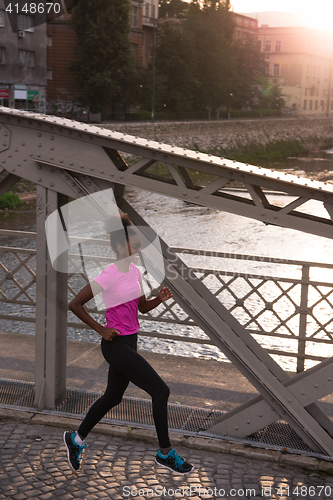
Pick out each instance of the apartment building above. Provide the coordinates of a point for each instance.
(61, 86)
(246, 28)
(300, 61)
(23, 67)
(144, 17)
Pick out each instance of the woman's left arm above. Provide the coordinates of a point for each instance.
(147, 305)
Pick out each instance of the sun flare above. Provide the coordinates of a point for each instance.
(317, 15)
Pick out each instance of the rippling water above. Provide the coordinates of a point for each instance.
(186, 225)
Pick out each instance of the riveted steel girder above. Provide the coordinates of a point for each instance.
(94, 151)
(246, 354)
(76, 159)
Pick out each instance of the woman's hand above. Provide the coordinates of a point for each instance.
(165, 294)
(108, 333)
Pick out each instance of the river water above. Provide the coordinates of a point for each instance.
(183, 224)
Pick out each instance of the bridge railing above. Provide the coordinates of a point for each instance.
(285, 304)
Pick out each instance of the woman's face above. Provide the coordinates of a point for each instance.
(132, 250)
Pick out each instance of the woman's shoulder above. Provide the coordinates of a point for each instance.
(136, 271)
(111, 268)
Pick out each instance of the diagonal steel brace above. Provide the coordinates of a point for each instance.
(247, 355)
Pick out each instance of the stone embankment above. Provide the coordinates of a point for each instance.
(210, 135)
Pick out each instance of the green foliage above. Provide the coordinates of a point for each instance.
(175, 80)
(194, 59)
(199, 66)
(10, 201)
(249, 65)
(272, 151)
(210, 30)
(269, 94)
(172, 8)
(105, 62)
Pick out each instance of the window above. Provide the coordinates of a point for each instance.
(134, 17)
(322, 104)
(276, 70)
(238, 35)
(2, 17)
(2, 55)
(266, 68)
(310, 104)
(316, 104)
(26, 58)
(305, 104)
(332, 105)
(277, 46)
(153, 11)
(268, 46)
(147, 10)
(134, 50)
(259, 45)
(25, 23)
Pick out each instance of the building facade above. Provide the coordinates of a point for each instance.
(300, 61)
(23, 63)
(144, 17)
(246, 28)
(61, 86)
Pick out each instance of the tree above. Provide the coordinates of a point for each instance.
(249, 66)
(172, 8)
(270, 94)
(105, 62)
(211, 28)
(174, 70)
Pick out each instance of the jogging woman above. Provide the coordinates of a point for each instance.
(121, 288)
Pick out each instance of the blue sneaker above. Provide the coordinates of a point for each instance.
(74, 450)
(173, 462)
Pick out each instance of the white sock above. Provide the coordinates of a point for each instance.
(78, 440)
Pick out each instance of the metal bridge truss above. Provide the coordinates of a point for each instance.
(69, 159)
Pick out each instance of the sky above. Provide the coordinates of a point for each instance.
(316, 14)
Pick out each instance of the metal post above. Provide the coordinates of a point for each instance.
(153, 96)
(303, 317)
(51, 311)
(41, 255)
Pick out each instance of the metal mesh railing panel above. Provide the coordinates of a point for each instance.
(138, 412)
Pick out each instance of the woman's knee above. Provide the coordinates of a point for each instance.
(162, 393)
(112, 400)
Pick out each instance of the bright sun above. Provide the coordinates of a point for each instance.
(316, 14)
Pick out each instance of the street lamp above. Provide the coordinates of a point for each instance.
(153, 96)
(231, 96)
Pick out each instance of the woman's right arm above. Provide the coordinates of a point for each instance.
(76, 306)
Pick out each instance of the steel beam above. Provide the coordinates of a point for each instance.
(8, 182)
(239, 346)
(94, 151)
(51, 311)
(76, 159)
(308, 387)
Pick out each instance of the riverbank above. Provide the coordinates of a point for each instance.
(270, 143)
(231, 134)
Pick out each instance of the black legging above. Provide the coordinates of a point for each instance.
(126, 365)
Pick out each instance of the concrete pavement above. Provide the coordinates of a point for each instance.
(119, 461)
(119, 464)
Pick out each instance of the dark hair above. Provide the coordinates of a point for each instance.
(119, 236)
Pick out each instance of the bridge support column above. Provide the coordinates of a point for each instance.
(51, 311)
